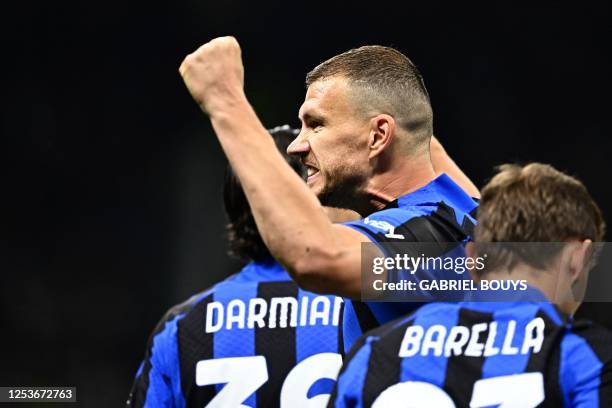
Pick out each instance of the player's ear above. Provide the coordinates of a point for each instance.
(580, 259)
(382, 131)
(579, 263)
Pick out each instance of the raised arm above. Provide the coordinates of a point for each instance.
(319, 255)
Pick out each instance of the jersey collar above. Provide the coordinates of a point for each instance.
(266, 270)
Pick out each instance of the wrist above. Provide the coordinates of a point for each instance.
(226, 105)
(235, 122)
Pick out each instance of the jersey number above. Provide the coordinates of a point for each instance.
(510, 391)
(244, 375)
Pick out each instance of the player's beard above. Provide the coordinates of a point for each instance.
(345, 190)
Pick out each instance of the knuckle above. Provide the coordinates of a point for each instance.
(234, 42)
(228, 42)
(188, 61)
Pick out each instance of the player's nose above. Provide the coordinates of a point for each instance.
(299, 146)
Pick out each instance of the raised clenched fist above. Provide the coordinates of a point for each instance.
(214, 74)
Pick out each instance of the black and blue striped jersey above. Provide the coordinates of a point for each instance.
(255, 339)
(523, 353)
(439, 212)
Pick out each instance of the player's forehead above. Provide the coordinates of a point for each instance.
(324, 96)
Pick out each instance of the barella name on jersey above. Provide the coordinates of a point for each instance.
(437, 340)
(276, 312)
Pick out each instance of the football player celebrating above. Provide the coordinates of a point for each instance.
(366, 141)
(506, 348)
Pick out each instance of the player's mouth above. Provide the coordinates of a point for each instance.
(312, 173)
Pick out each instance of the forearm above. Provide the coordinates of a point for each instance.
(442, 163)
(289, 217)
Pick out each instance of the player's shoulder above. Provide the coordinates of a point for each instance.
(191, 304)
(395, 223)
(179, 310)
(166, 331)
(441, 198)
(164, 336)
(187, 305)
(434, 221)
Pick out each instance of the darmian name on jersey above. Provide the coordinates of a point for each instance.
(462, 340)
(276, 312)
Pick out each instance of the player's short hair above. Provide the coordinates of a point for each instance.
(535, 203)
(385, 81)
(242, 234)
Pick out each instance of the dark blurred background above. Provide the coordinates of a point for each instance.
(111, 207)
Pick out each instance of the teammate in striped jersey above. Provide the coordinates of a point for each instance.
(366, 140)
(525, 351)
(254, 339)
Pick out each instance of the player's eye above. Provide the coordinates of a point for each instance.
(315, 124)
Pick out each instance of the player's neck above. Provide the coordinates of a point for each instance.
(404, 177)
